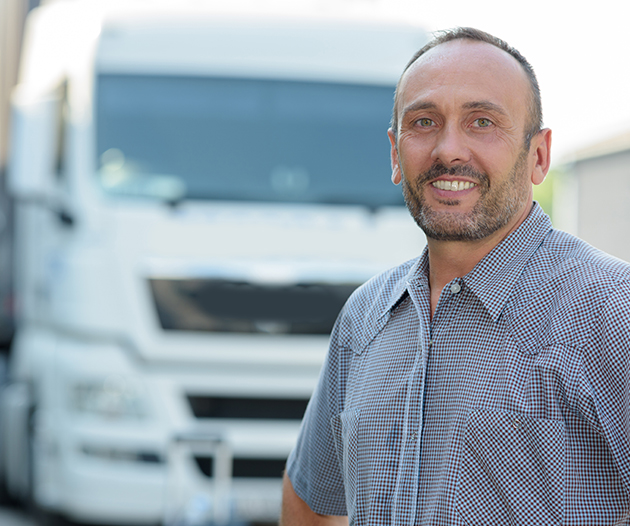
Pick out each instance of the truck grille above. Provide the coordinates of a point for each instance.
(238, 306)
(247, 408)
(256, 468)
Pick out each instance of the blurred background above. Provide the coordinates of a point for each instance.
(189, 193)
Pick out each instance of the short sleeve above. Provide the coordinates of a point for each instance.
(607, 365)
(313, 465)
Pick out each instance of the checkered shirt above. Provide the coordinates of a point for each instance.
(509, 407)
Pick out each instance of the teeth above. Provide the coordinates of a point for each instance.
(453, 186)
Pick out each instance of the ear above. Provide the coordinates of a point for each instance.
(541, 149)
(396, 173)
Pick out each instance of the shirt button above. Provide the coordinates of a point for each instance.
(413, 436)
(516, 424)
(455, 288)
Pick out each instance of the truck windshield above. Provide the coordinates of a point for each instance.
(244, 140)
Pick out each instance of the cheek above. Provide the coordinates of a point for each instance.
(415, 155)
(498, 164)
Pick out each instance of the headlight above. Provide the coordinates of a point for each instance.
(114, 397)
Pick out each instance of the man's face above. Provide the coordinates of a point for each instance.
(460, 151)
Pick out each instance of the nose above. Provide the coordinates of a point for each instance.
(451, 146)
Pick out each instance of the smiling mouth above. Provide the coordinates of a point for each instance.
(453, 186)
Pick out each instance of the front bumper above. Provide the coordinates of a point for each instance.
(196, 477)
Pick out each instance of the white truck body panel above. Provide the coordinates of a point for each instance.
(136, 408)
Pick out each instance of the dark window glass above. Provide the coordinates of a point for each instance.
(244, 139)
(238, 306)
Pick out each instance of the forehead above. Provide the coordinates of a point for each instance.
(463, 71)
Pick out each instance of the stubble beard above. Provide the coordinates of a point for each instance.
(495, 208)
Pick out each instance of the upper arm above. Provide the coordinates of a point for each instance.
(607, 366)
(313, 465)
(295, 512)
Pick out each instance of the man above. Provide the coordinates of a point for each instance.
(486, 382)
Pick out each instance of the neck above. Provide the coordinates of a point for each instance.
(454, 259)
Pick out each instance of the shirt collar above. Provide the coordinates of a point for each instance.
(494, 277)
(418, 276)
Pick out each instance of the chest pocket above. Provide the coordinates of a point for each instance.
(512, 470)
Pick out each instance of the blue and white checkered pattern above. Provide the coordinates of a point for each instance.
(510, 406)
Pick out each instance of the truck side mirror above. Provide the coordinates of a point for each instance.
(32, 151)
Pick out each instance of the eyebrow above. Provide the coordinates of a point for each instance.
(474, 105)
(484, 105)
(417, 106)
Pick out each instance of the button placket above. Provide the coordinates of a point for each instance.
(404, 499)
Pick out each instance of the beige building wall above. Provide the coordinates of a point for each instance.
(603, 201)
(12, 15)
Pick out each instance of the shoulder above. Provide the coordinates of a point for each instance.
(367, 308)
(383, 289)
(565, 290)
(575, 261)
(379, 294)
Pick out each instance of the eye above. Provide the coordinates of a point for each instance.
(483, 122)
(425, 122)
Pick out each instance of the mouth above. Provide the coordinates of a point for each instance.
(453, 186)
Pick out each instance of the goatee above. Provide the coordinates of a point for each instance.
(498, 202)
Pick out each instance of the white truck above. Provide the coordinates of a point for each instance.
(196, 192)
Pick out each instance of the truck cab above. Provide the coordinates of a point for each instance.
(197, 192)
